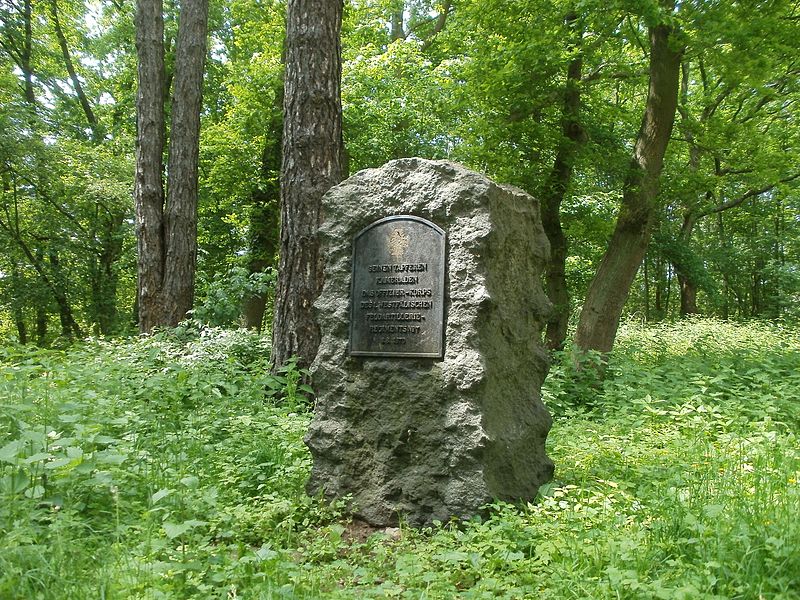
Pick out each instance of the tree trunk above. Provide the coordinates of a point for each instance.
(611, 285)
(181, 214)
(19, 315)
(646, 289)
(311, 164)
(69, 326)
(396, 27)
(22, 330)
(265, 216)
(149, 181)
(27, 53)
(688, 295)
(553, 194)
(686, 282)
(41, 326)
(167, 237)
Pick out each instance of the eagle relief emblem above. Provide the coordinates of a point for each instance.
(398, 242)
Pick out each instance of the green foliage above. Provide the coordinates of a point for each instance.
(221, 304)
(122, 465)
(395, 105)
(166, 467)
(486, 90)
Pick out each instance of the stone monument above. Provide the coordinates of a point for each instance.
(429, 372)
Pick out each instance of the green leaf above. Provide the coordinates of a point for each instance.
(8, 453)
(35, 492)
(38, 457)
(190, 481)
(452, 556)
(16, 482)
(108, 457)
(160, 495)
(74, 452)
(174, 530)
(69, 418)
(58, 462)
(265, 553)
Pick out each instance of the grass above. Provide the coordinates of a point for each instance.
(173, 467)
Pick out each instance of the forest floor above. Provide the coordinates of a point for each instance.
(159, 468)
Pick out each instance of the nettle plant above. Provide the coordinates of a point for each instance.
(162, 444)
(174, 466)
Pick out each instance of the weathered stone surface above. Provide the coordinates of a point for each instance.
(424, 439)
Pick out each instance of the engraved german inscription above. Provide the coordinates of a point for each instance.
(397, 293)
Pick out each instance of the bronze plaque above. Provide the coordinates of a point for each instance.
(397, 293)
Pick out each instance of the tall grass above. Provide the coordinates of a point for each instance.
(173, 467)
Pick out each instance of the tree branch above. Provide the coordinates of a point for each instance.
(748, 194)
(73, 75)
(441, 20)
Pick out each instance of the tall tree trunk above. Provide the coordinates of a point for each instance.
(686, 282)
(265, 215)
(27, 54)
(553, 194)
(167, 237)
(149, 181)
(41, 325)
(397, 26)
(18, 313)
(311, 164)
(611, 285)
(181, 214)
(42, 316)
(688, 295)
(646, 289)
(69, 326)
(19, 321)
(725, 282)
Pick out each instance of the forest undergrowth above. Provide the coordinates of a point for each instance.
(174, 467)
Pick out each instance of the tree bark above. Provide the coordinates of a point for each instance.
(69, 326)
(686, 280)
(396, 24)
(149, 182)
(19, 315)
(22, 330)
(553, 195)
(610, 287)
(167, 235)
(41, 326)
(311, 164)
(181, 214)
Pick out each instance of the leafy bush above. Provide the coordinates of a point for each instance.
(221, 298)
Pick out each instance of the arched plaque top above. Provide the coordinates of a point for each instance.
(430, 224)
(397, 289)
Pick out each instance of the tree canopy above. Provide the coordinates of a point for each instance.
(548, 95)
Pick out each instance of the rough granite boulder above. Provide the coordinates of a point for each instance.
(420, 439)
